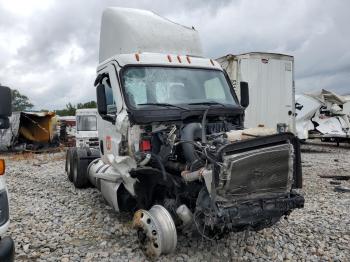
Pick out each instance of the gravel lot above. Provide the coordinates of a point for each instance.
(52, 221)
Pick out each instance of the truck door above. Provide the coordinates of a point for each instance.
(109, 134)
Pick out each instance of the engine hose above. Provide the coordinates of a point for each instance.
(161, 166)
(204, 125)
(190, 133)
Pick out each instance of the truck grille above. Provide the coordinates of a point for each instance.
(93, 142)
(267, 169)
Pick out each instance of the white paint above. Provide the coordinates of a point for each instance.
(335, 123)
(162, 59)
(330, 126)
(82, 136)
(271, 91)
(8, 136)
(126, 31)
(346, 106)
(306, 107)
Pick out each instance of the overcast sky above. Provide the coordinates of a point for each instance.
(49, 48)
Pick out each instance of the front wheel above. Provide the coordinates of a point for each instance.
(156, 231)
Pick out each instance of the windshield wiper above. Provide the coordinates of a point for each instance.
(162, 104)
(209, 103)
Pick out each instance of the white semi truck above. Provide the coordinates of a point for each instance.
(86, 134)
(169, 129)
(7, 246)
(271, 87)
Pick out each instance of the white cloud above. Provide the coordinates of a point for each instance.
(49, 49)
(26, 7)
(70, 54)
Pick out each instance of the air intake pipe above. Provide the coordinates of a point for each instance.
(190, 132)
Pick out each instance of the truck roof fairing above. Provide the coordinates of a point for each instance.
(126, 30)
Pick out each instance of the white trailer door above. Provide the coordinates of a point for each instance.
(271, 91)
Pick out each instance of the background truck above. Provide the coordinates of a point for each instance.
(172, 145)
(7, 246)
(271, 87)
(86, 134)
(86, 138)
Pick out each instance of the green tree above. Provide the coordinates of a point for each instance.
(68, 111)
(90, 104)
(20, 102)
(70, 108)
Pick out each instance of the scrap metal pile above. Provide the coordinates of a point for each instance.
(30, 131)
(323, 115)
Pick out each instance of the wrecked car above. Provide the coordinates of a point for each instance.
(172, 143)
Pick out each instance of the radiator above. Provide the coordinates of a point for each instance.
(264, 170)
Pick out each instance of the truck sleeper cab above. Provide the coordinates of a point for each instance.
(166, 126)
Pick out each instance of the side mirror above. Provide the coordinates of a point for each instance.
(244, 94)
(101, 100)
(5, 107)
(5, 101)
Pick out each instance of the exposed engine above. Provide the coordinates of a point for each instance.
(213, 177)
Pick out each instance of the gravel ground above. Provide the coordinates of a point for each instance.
(53, 221)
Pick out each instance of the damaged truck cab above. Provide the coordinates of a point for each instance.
(173, 148)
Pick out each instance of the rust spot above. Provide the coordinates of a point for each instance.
(150, 251)
(136, 222)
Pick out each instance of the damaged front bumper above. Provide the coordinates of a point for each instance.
(253, 187)
(256, 214)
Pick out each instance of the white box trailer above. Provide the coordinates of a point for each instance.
(271, 87)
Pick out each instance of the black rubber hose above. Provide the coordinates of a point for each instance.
(161, 166)
(189, 133)
(204, 125)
